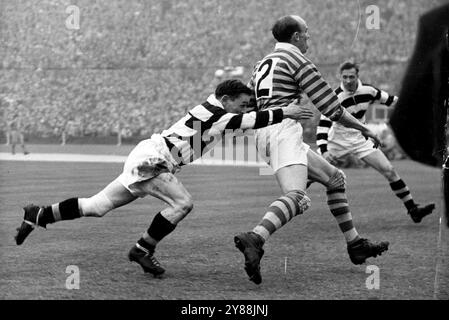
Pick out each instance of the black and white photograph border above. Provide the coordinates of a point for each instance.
(158, 128)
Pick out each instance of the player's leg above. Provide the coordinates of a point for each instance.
(288, 158)
(170, 190)
(333, 158)
(335, 182)
(320, 170)
(166, 187)
(380, 162)
(292, 180)
(112, 196)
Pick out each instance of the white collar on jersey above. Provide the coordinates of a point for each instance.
(287, 46)
(214, 101)
(359, 85)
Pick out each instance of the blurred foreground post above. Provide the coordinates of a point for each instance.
(441, 284)
(419, 120)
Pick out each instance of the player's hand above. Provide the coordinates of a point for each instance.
(330, 158)
(297, 112)
(370, 134)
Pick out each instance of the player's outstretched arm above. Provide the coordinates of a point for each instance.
(260, 119)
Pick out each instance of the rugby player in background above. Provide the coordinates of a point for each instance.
(335, 141)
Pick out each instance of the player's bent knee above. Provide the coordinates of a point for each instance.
(390, 173)
(337, 181)
(301, 198)
(184, 206)
(96, 206)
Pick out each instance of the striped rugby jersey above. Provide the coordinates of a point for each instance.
(356, 103)
(285, 74)
(204, 126)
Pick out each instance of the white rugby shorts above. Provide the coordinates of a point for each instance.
(147, 160)
(282, 145)
(357, 145)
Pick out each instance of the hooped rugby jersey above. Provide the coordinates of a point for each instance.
(204, 126)
(356, 103)
(285, 75)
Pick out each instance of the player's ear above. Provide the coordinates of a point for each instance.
(295, 36)
(225, 99)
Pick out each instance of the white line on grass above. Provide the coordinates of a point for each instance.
(72, 157)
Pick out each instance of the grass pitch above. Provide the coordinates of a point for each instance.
(306, 259)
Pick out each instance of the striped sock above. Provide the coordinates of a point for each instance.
(401, 191)
(65, 210)
(159, 228)
(338, 205)
(281, 211)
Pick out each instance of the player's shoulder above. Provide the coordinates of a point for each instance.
(292, 55)
(365, 84)
(258, 62)
(369, 88)
(204, 112)
(212, 105)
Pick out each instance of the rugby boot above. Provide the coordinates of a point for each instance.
(250, 244)
(364, 249)
(146, 260)
(30, 221)
(418, 212)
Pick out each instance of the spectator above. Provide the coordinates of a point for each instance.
(141, 63)
(17, 137)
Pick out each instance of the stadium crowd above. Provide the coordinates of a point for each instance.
(135, 66)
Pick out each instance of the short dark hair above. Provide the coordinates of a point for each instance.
(232, 88)
(349, 65)
(284, 28)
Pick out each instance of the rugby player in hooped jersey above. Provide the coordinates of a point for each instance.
(334, 141)
(150, 167)
(278, 79)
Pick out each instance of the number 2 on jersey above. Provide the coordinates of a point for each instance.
(264, 78)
